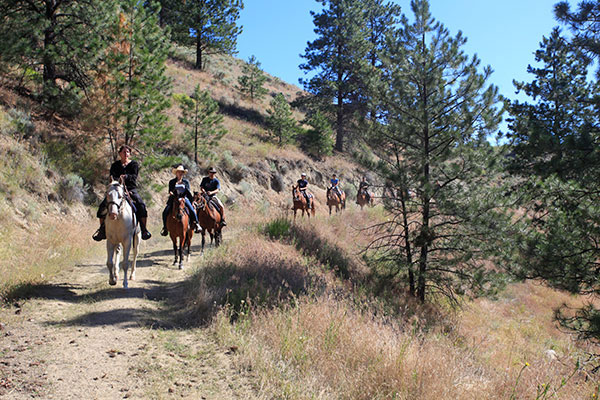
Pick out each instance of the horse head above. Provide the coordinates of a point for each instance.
(296, 193)
(180, 209)
(200, 200)
(115, 196)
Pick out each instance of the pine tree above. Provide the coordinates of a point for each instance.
(212, 23)
(556, 156)
(252, 80)
(585, 24)
(132, 85)
(65, 38)
(552, 135)
(436, 162)
(318, 138)
(200, 115)
(339, 57)
(280, 121)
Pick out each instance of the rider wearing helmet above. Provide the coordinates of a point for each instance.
(335, 186)
(303, 185)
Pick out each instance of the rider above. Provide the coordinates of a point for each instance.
(363, 186)
(211, 186)
(179, 187)
(303, 185)
(125, 170)
(335, 185)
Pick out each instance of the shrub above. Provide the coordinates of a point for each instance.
(71, 188)
(252, 272)
(245, 187)
(16, 123)
(319, 138)
(278, 228)
(227, 160)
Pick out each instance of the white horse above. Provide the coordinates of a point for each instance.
(122, 233)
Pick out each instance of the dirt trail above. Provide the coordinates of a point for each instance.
(79, 338)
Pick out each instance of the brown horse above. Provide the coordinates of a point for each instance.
(178, 225)
(336, 200)
(364, 198)
(209, 219)
(300, 203)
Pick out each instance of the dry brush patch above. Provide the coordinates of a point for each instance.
(326, 348)
(247, 272)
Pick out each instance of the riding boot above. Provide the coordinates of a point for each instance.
(100, 234)
(145, 234)
(223, 223)
(164, 231)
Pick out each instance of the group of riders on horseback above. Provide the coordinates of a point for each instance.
(126, 170)
(302, 185)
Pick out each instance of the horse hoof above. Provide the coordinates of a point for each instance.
(180, 266)
(125, 285)
(111, 282)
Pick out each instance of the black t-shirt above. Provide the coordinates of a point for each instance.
(130, 171)
(302, 183)
(210, 184)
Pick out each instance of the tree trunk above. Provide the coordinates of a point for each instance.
(407, 247)
(339, 138)
(197, 112)
(198, 51)
(49, 73)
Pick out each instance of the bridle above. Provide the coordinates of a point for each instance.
(119, 196)
(202, 201)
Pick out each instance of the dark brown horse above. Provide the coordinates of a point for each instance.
(335, 199)
(178, 225)
(363, 197)
(300, 203)
(209, 219)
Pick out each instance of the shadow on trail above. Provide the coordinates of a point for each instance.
(76, 293)
(122, 317)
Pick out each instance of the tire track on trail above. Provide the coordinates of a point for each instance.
(79, 338)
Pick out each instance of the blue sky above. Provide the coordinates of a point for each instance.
(503, 33)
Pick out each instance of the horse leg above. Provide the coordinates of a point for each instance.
(110, 251)
(125, 263)
(117, 264)
(330, 209)
(217, 237)
(174, 250)
(136, 249)
(203, 240)
(181, 245)
(189, 245)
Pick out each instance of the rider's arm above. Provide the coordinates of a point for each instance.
(131, 177)
(213, 192)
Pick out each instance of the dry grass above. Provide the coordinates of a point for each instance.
(325, 348)
(38, 238)
(334, 343)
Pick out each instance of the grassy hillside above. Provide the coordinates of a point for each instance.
(296, 303)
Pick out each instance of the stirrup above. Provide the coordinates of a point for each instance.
(164, 232)
(223, 223)
(197, 228)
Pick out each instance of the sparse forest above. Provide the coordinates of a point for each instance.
(474, 274)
